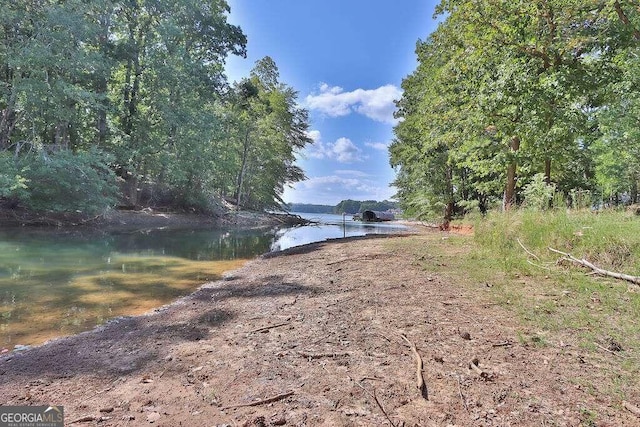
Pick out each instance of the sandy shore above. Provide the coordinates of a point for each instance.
(316, 335)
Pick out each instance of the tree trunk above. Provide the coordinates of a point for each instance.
(547, 171)
(7, 122)
(450, 204)
(133, 190)
(510, 189)
(101, 83)
(240, 180)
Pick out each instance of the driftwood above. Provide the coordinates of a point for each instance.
(631, 408)
(260, 402)
(597, 270)
(420, 384)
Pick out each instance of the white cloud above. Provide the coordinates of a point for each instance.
(377, 104)
(352, 172)
(331, 189)
(343, 150)
(314, 135)
(377, 145)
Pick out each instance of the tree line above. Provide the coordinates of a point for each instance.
(345, 206)
(106, 102)
(515, 98)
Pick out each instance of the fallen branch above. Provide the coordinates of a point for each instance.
(597, 270)
(631, 408)
(260, 402)
(420, 384)
(266, 328)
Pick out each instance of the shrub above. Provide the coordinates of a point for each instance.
(69, 182)
(538, 193)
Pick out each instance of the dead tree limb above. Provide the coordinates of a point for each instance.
(420, 384)
(597, 270)
(260, 402)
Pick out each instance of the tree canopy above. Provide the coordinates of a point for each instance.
(506, 90)
(127, 102)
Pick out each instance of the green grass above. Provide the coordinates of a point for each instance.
(555, 300)
(558, 297)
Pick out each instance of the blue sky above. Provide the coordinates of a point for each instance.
(347, 59)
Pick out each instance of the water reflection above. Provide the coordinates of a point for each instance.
(330, 227)
(54, 284)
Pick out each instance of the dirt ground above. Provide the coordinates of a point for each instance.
(319, 335)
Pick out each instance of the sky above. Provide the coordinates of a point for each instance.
(347, 60)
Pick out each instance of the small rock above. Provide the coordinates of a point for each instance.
(153, 417)
(107, 410)
(280, 421)
(465, 335)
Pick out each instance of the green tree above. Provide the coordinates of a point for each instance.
(268, 129)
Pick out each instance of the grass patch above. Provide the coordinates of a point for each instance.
(559, 297)
(556, 301)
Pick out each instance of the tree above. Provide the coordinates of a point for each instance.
(268, 129)
(506, 90)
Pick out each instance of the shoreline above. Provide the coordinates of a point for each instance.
(127, 220)
(315, 335)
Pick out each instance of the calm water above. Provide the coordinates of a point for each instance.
(54, 283)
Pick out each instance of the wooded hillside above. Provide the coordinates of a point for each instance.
(126, 102)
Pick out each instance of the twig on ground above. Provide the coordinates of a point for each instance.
(631, 408)
(321, 355)
(527, 250)
(382, 408)
(420, 384)
(607, 350)
(502, 344)
(266, 328)
(597, 270)
(260, 402)
(375, 398)
(464, 400)
(86, 419)
(538, 265)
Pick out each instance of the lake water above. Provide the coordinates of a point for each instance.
(58, 283)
